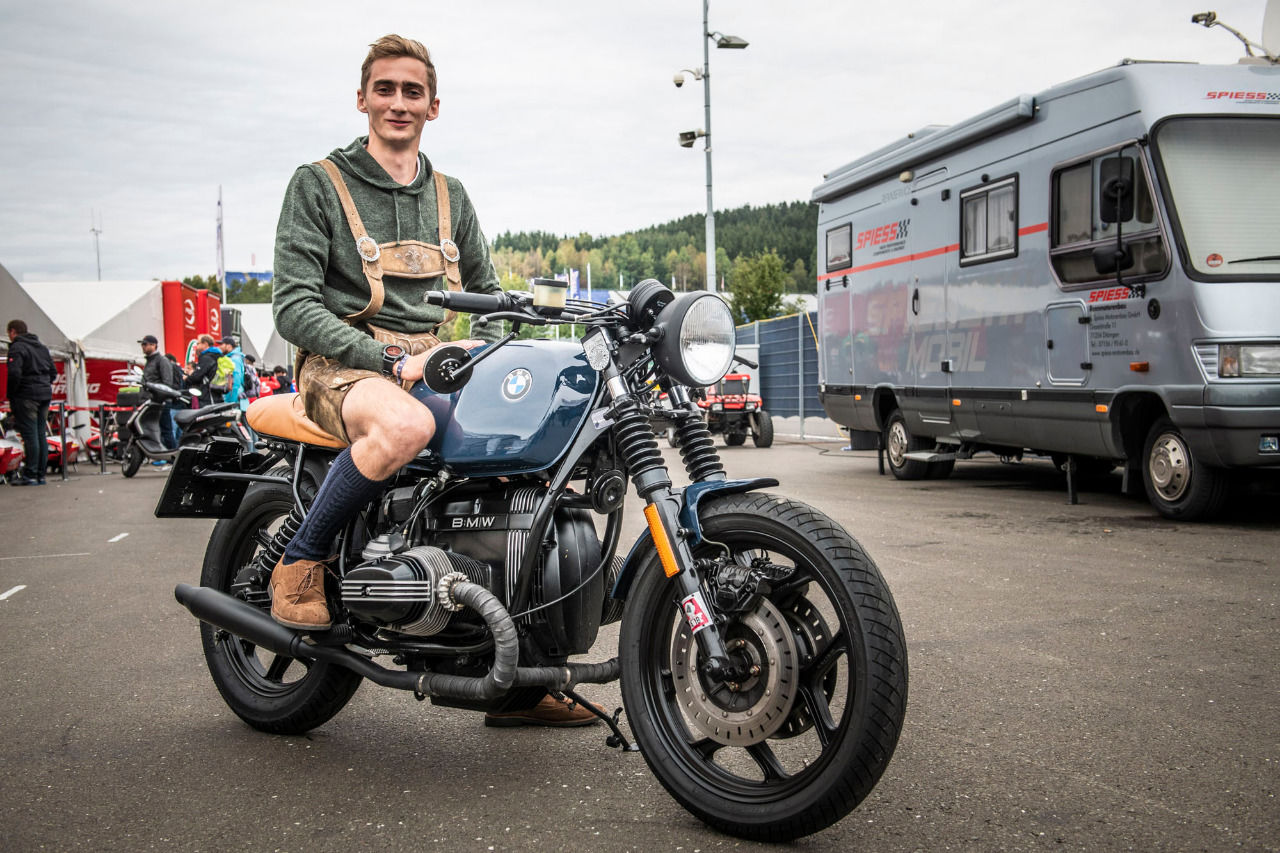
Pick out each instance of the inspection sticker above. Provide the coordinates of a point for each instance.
(695, 612)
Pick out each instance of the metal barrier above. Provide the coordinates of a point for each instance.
(788, 364)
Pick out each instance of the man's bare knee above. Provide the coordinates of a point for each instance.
(387, 427)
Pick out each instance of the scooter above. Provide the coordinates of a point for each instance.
(197, 426)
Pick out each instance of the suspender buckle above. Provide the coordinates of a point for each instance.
(449, 249)
(368, 249)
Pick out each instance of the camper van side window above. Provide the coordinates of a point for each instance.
(1077, 228)
(839, 247)
(989, 222)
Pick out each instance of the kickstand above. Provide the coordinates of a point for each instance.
(617, 739)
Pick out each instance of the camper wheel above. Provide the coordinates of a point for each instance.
(898, 442)
(1179, 485)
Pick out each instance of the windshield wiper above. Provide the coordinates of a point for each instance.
(1259, 258)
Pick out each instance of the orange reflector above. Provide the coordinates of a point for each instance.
(1139, 366)
(857, 396)
(955, 402)
(1101, 408)
(665, 554)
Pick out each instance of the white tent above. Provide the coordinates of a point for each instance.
(17, 304)
(105, 318)
(259, 337)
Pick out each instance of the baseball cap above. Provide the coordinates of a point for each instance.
(149, 339)
(229, 340)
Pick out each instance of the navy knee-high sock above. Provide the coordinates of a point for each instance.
(344, 492)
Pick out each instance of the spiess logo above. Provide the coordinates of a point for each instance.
(883, 234)
(1255, 97)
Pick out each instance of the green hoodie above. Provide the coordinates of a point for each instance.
(318, 275)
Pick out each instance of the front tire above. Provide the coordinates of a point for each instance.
(270, 692)
(763, 434)
(830, 686)
(1178, 484)
(132, 459)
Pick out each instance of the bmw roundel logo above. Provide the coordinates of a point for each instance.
(517, 384)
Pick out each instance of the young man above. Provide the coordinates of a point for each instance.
(362, 237)
(206, 365)
(31, 375)
(157, 370)
(232, 351)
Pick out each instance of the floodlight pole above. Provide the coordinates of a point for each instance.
(706, 101)
(96, 229)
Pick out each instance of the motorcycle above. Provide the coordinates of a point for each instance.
(142, 440)
(762, 661)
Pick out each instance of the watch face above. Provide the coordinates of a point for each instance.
(393, 350)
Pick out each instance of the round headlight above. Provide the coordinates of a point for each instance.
(698, 339)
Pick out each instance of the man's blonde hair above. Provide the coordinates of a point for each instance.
(393, 46)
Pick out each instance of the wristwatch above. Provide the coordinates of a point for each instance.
(391, 353)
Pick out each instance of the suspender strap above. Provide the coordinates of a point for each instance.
(448, 248)
(370, 252)
(365, 246)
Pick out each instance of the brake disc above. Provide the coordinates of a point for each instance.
(747, 712)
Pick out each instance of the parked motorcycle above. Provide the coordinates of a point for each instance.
(762, 659)
(196, 426)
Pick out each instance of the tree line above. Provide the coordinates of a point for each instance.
(762, 253)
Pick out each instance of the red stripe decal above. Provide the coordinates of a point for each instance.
(931, 253)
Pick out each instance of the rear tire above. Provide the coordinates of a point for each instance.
(763, 434)
(132, 459)
(1179, 485)
(272, 693)
(898, 442)
(735, 439)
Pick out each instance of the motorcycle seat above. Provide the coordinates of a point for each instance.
(282, 416)
(183, 417)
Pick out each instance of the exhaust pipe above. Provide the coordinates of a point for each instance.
(248, 622)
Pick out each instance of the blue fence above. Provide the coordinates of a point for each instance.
(788, 364)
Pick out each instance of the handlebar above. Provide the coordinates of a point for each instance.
(471, 303)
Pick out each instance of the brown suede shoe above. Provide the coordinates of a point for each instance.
(297, 595)
(557, 713)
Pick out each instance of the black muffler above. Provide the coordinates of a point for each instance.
(250, 623)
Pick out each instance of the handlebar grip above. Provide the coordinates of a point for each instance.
(470, 303)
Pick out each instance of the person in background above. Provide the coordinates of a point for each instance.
(283, 383)
(252, 382)
(156, 371)
(232, 351)
(31, 376)
(177, 377)
(206, 365)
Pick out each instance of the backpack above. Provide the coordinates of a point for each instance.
(252, 384)
(222, 377)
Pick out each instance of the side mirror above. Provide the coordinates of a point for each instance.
(1112, 259)
(1115, 196)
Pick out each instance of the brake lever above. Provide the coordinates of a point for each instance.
(511, 317)
(746, 361)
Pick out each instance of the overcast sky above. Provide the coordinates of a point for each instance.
(557, 115)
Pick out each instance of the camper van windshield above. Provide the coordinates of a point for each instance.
(1224, 182)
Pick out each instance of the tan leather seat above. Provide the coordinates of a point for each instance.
(282, 416)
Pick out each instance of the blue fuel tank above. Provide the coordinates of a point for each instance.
(518, 413)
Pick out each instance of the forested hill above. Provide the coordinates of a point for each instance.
(674, 249)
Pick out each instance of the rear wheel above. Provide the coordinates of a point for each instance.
(132, 459)
(270, 692)
(735, 439)
(797, 745)
(763, 433)
(1178, 485)
(898, 442)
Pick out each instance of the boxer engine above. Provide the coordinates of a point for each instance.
(400, 583)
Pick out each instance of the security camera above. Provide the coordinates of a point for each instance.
(678, 80)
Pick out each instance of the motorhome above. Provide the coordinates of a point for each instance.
(1091, 273)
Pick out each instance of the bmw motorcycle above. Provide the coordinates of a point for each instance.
(762, 661)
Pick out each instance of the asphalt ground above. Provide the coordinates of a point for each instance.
(1087, 677)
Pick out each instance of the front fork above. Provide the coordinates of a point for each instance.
(663, 505)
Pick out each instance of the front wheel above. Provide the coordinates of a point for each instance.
(132, 459)
(898, 442)
(763, 433)
(270, 692)
(800, 743)
(1178, 484)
